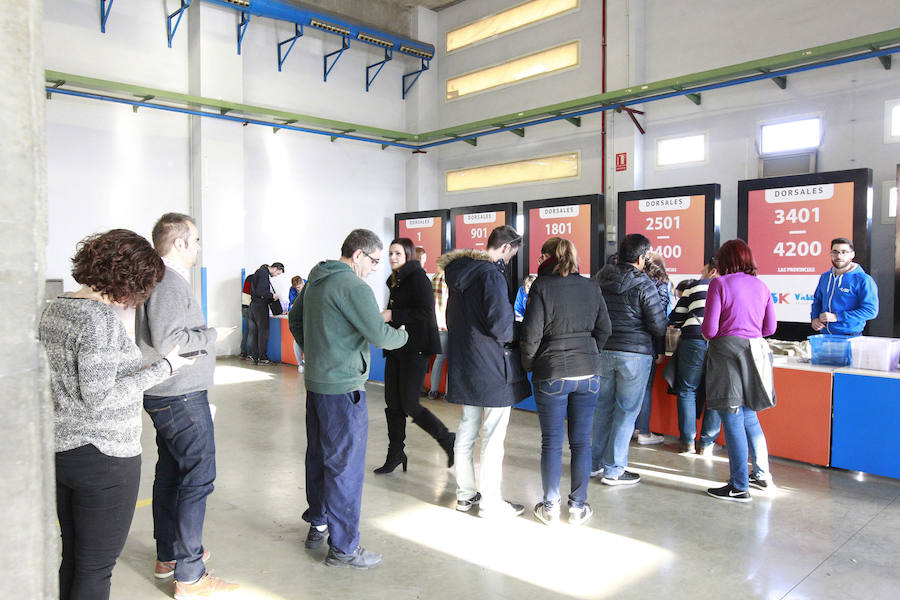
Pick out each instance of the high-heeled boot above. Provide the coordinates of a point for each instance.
(436, 429)
(396, 425)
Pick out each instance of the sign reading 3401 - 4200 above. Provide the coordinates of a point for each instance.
(674, 227)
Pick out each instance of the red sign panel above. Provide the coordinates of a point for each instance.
(572, 222)
(790, 230)
(474, 229)
(622, 161)
(425, 232)
(675, 227)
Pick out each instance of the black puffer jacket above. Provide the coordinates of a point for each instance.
(483, 366)
(634, 308)
(566, 325)
(412, 304)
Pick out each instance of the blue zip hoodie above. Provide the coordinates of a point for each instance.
(851, 296)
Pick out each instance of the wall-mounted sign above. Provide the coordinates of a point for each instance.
(679, 222)
(621, 161)
(427, 229)
(471, 226)
(579, 219)
(789, 223)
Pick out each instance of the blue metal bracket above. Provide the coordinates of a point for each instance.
(388, 55)
(242, 29)
(171, 29)
(337, 55)
(105, 7)
(415, 77)
(298, 31)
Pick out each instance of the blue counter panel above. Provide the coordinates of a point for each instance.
(273, 348)
(866, 420)
(376, 369)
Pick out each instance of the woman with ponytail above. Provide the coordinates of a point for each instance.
(565, 327)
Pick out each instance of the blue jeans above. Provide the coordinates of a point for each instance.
(689, 373)
(642, 424)
(438, 365)
(185, 471)
(337, 428)
(554, 397)
(623, 378)
(743, 433)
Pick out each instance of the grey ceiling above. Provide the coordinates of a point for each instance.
(389, 15)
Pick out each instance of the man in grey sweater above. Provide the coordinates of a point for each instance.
(179, 409)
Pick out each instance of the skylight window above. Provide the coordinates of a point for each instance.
(539, 169)
(681, 150)
(803, 134)
(506, 21)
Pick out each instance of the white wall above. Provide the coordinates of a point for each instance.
(259, 196)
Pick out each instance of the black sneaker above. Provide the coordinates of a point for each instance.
(264, 361)
(315, 538)
(728, 492)
(626, 478)
(359, 559)
(466, 505)
(761, 484)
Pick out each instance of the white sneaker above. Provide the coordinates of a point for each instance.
(597, 473)
(650, 438)
(300, 369)
(501, 511)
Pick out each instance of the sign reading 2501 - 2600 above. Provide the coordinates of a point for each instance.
(674, 226)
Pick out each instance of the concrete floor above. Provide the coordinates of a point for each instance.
(822, 534)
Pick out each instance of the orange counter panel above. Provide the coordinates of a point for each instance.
(287, 344)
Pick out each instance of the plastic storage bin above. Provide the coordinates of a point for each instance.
(876, 353)
(826, 349)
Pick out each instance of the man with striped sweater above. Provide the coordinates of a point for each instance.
(688, 316)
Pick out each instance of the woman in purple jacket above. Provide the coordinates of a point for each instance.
(739, 313)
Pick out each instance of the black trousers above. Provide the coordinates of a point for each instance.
(259, 319)
(95, 497)
(404, 374)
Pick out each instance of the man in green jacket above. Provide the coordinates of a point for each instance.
(334, 319)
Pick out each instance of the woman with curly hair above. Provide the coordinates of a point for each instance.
(97, 385)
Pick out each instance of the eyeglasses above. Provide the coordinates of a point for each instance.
(841, 252)
(375, 261)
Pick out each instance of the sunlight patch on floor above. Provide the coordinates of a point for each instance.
(226, 375)
(562, 559)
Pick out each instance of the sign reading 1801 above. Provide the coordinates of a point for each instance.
(674, 227)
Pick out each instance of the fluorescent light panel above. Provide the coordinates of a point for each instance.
(895, 120)
(506, 21)
(514, 71)
(675, 151)
(544, 168)
(793, 135)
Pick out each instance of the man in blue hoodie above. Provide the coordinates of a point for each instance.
(846, 296)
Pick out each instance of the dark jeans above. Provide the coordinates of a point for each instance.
(248, 332)
(185, 471)
(259, 322)
(337, 427)
(95, 497)
(403, 377)
(554, 398)
(642, 424)
(689, 374)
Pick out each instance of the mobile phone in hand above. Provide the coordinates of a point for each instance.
(194, 354)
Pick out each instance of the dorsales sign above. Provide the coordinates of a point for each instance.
(571, 222)
(424, 232)
(675, 227)
(474, 229)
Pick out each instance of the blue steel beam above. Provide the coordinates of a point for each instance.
(171, 29)
(298, 32)
(105, 7)
(388, 55)
(224, 117)
(242, 29)
(345, 43)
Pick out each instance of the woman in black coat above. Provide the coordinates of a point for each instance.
(411, 305)
(566, 325)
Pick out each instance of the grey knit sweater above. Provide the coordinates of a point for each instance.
(96, 378)
(173, 317)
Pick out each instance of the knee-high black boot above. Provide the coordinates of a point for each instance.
(396, 426)
(436, 429)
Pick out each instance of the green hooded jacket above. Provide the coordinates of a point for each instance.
(334, 319)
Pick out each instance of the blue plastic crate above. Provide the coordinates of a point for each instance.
(827, 349)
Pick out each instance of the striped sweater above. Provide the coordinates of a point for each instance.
(688, 313)
(96, 379)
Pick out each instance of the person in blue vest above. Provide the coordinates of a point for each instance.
(846, 296)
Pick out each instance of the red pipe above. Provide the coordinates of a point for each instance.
(603, 114)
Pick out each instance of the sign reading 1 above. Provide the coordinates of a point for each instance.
(424, 232)
(674, 227)
(474, 229)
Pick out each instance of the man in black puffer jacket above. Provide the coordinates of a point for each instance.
(637, 316)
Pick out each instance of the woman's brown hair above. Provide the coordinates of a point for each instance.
(565, 254)
(409, 249)
(735, 256)
(119, 264)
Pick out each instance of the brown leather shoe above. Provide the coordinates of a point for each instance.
(166, 568)
(206, 587)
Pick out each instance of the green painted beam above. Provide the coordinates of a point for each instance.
(222, 106)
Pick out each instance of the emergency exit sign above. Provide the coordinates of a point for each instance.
(622, 161)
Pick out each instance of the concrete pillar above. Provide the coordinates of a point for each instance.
(29, 538)
(217, 147)
(422, 176)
